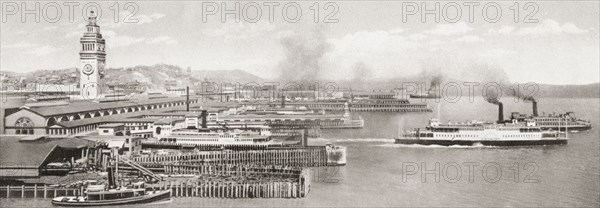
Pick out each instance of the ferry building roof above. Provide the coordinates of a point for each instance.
(86, 106)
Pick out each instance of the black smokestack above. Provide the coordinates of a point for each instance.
(533, 104)
(435, 81)
(282, 101)
(187, 98)
(535, 111)
(494, 100)
(500, 112)
(204, 115)
(527, 98)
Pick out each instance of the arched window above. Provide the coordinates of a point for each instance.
(24, 125)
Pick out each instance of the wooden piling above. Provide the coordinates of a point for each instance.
(171, 187)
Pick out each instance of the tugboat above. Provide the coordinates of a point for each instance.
(97, 195)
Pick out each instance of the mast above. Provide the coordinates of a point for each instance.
(439, 109)
(117, 184)
(558, 131)
(566, 128)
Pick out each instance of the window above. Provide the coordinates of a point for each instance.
(105, 131)
(24, 125)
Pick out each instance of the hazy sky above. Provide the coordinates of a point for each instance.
(561, 48)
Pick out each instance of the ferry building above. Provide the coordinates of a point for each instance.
(90, 109)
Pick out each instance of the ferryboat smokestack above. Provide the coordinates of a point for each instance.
(204, 115)
(187, 98)
(533, 105)
(282, 101)
(535, 111)
(500, 112)
(495, 101)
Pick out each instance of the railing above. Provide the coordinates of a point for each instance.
(140, 168)
(36, 191)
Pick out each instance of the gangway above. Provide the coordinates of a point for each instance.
(140, 168)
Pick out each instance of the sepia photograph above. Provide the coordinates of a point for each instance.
(309, 103)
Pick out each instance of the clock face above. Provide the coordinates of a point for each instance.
(101, 68)
(88, 69)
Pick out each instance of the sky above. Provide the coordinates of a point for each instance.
(383, 37)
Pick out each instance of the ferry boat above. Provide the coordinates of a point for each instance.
(482, 133)
(560, 122)
(425, 95)
(236, 136)
(430, 94)
(97, 195)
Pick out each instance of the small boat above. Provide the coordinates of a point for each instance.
(98, 196)
(425, 96)
(430, 94)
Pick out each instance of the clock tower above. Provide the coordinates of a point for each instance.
(92, 58)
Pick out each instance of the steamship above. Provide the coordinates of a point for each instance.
(560, 122)
(500, 133)
(430, 94)
(237, 137)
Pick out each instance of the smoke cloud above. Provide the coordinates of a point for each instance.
(362, 74)
(303, 56)
(492, 97)
(520, 95)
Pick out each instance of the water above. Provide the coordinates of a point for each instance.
(548, 175)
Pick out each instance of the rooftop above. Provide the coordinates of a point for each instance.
(85, 106)
(111, 125)
(12, 150)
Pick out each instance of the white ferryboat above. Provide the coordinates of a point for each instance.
(236, 136)
(483, 133)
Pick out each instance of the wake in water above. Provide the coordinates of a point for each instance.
(163, 202)
(390, 143)
(476, 145)
(348, 140)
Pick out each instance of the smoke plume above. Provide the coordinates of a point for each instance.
(520, 95)
(492, 97)
(362, 74)
(303, 55)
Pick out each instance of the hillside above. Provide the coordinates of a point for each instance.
(160, 75)
(156, 75)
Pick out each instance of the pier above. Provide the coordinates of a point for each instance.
(299, 157)
(227, 189)
(188, 188)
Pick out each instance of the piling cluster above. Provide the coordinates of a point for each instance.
(300, 157)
